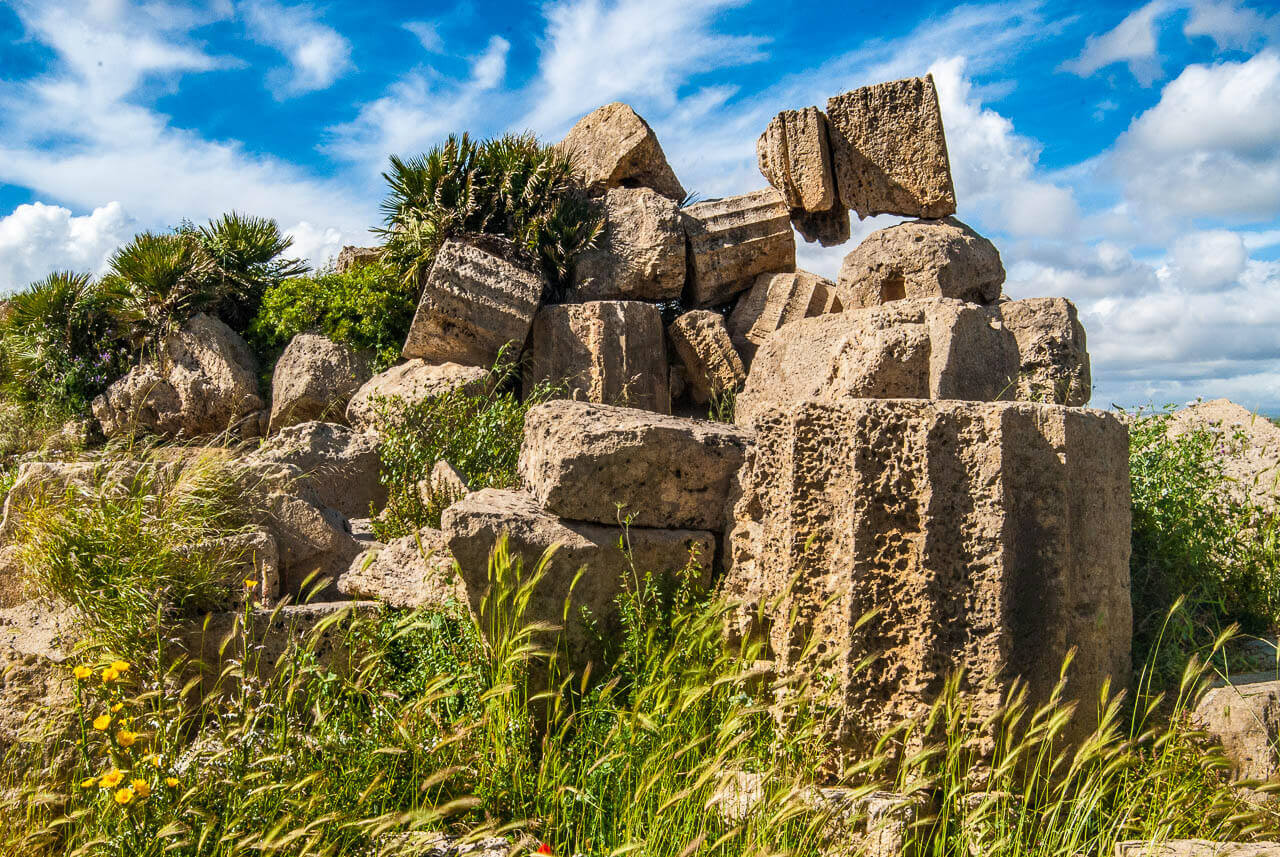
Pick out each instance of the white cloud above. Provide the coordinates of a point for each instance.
(320, 244)
(1208, 260)
(317, 54)
(1230, 24)
(1134, 41)
(427, 34)
(36, 239)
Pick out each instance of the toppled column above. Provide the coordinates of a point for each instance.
(734, 240)
(794, 157)
(775, 300)
(612, 352)
(712, 365)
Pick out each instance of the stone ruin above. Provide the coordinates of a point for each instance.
(908, 442)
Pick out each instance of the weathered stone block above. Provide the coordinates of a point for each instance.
(988, 537)
(410, 572)
(1244, 716)
(712, 365)
(794, 157)
(598, 463)
(408, 384)
(1051, 348)
(732, 241)
(775, 300)
(922, 349)
(475, 524)
(335, 466)
(921, 259)
(314, 379)
(1195, 848)
(351, 257)
(889, 152)
(641, 253)
(614, 147)
(476, 301)
(612, 352)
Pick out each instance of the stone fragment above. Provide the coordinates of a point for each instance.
(828, 228)
(732, 241)
(203, 382)
(640, 256)
(889, 152)
(408, 384)
(794, 157)
(988, 537)
(1249, 448)
(475, 524)
(336, 466)
(598, 463)
(251, 556)
(446, 478)
(315, 544)
(1244, 717)
(410, 572)
(1051, 347)
(711, 364)
(775, 300)
(475, 303)
(314, 379)
(1196, 848)
(921, 259)
(614, 147)
(350, 257)
(921, 349)
(38, 722)
(612, 352)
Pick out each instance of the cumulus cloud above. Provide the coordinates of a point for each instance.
(37, 238)
(1208, 261)
(318, 55)
(1134, 41)
(1230, 24)
(320, 244)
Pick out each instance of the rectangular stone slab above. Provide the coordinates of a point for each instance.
(734, 240)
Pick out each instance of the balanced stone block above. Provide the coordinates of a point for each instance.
(732, 241)
(476, 301)
(612, 352)
(614, 147)
(933, 537)
(921, 259)
(712, 365)
(889, 152)
(315, 379)
(1052, 352)
(406, 385)
(794, 157)
(601, 464)
(828, 228)
(775, 300)
(641, 253)
(587, 568)
(922, 349)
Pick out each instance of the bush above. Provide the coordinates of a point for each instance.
(366, 307)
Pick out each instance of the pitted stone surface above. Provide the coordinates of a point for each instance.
(640, 256)
(614, 147)
(409, 572)
(794, 157)
(408, 384)
(734, 240)
(314, 379)
(1052, 352)
(712, 365)
(776, 300)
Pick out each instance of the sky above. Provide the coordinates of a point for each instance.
(1124, 156)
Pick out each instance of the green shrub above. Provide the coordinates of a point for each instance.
(1195, 544)
(365, 307)
(511, 186)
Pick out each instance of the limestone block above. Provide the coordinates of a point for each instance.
(408, 384)
(336, 466)
(614, 147)
(612, 352)
(712, 366)
(314, 379)
(1196, 848)
(476, 301)
(1244, 717)
(598, 463)
(350, 257)
(775, 300)
(409, 572)
(889, 152)
(640, 254)
(732, 241)
(794, 157)
(1054, 360)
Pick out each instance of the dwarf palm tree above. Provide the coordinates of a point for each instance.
(158, 281)
(245, 253)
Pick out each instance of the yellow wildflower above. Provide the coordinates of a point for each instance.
(111, 779)
(124, 795)
(250, 583)
(115, 709)
(141, 788)
(110, 674)
(126, 739)
(153, 760)
(102, 722)
(120, 666)
(82, 672)
(88, 782)
(171, 782)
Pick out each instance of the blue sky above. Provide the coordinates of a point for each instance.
(1125, 156)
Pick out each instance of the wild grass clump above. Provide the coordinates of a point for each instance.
(1197, 543)
(133, 545)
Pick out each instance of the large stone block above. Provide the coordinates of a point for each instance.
(988, 537)
(794, 157)
(732, 241)
(922, 349)
(775, 300)
(408, 384)
(351, 257)
(333, 465)
(409, 572)
(614, 147)
(1051, 348)
(476, 301)
(1244, 717)
(314, 379)
(612, 352)
(598, 463)
(921, 259)
(641, 253)
(474, 525)
(889, 152)
(712, 365)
